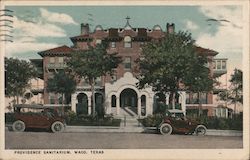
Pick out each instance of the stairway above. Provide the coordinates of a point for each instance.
(129, 121)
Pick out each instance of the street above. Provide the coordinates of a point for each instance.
(46, 140)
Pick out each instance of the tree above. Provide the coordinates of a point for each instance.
(235, 93)
(93, 63)
(62, 83)
(172, 64)
(18, 73)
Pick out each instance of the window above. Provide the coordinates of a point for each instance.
(51, 98)
(223, 65)
(60, 60)
(193, 98)
(113, 44)
(51, 59)
(127, 42)
(218, 64)
(127, 63)
(203, 98)
(60, 99)
(113, 101)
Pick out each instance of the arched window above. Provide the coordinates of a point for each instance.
(143, 105)
(113, 101)
(127, 42)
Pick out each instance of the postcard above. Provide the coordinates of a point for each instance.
(124, 79)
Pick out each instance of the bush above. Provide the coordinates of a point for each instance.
(235, 123)
(9, 117)
(152, 120)
(89, 120)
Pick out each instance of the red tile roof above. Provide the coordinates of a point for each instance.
(206, 51)
(62, 50)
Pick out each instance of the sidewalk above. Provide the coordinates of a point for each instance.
(210, 132)
(139, 129)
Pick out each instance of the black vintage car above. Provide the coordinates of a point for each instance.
(176, 122)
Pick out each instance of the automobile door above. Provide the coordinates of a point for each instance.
(180, 124)
(40, 120)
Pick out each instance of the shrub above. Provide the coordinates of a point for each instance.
(152, 120)
(9, 117)
(235, 123)
(89, 120)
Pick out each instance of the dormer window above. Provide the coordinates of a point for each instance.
(113, 45)
(127, 42)
(51, 59)
(98, 41)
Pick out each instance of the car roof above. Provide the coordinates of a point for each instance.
(34, 106)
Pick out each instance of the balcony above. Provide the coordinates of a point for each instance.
(219, 67)
(56, 65)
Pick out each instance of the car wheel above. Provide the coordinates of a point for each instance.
(166, 129)
(57, 127)
(18, 126)
(200, 130)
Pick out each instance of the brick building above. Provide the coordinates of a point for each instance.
(119, 93)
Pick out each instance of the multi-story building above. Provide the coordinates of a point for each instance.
(118, 92)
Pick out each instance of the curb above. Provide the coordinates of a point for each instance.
(111, 129)
(210, 132)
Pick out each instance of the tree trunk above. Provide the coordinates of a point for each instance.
(200, 106)
(93, 96)
(17, 99)
(63, 103)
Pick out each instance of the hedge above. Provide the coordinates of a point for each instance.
(235, 123)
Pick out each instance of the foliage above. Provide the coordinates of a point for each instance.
(235, 123)
(235, 93)
(173, 64)
(88, 120)
(93, 63)
(9, 117)
(18, 73)
(62, 83)
(161, 108)
(152, 120)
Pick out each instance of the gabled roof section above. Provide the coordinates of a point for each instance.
(62, 50)
(205, 51)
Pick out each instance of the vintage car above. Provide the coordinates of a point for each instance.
(37, 116)
(176, 122)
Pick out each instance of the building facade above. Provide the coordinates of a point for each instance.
(118, 93)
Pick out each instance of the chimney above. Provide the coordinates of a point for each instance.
(84, 28)
(170, 28)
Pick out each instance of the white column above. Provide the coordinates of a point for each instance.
(167, 99)
(89, 105)
(139, 106)
(73, 102)
(226, 112)
(117, 105)
(149, 105)
(108, 105)
(183, 102)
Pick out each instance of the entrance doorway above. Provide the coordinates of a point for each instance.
(82, 105)
(128, 99)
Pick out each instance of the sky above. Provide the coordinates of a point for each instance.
(38, 28)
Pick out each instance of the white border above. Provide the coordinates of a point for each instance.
(229, 154)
